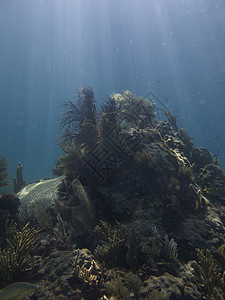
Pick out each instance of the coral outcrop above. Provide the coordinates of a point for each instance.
(155, 196)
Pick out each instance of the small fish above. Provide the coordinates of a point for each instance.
(216, 154)
(158, 81)
(167, 99)
(17, 291)
(216, 137)
(210, 191)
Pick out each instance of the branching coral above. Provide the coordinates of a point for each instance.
(113, 242)
(16, 257)
(169, 244)
(125, 288)
(118, 289)
(213, 280)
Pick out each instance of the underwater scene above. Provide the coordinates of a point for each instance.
(112, 120)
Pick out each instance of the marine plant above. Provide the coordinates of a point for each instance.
(133, 245)
(79, 120)
(185, 174)
(170, 245)
(133, 282)
(69, 164)
(145, 161)
(113, 240)
(118, 289)
(171, 248)
(84, 212)
(15, 258)
(85, 132)
(59, 231)
(109, 119)
(152, 251)
(126, 287)
(212, 278)
(3, 171)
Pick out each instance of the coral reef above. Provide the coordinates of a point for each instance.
(156, 199)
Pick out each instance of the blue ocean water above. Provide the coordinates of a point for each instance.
(48, 48)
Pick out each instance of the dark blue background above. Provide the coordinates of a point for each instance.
(175, 48)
